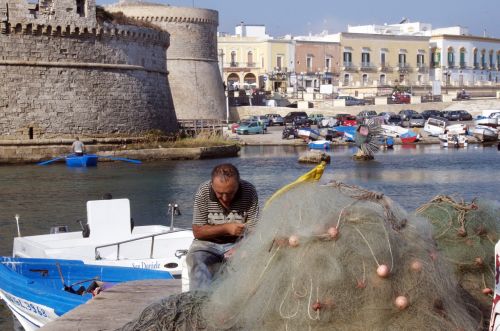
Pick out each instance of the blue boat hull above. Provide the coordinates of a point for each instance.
(39, 290)
(86, 160)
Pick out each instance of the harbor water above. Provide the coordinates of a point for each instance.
(46, 196)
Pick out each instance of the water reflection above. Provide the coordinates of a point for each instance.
(56, 195)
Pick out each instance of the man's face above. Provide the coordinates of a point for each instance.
(225, 190)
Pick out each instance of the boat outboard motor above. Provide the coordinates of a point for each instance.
(85, 229)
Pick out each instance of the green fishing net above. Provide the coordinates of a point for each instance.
(466, 234)
(327, 257)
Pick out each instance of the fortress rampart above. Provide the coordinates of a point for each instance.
(194, 75)
(63, 79)
(64, 75)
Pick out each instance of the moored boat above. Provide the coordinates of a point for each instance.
(109, 238)
(320, 144)
(453, 140)
(38, 291)
(85, 160)
(308, 134)
(485, 133)
(408, 137)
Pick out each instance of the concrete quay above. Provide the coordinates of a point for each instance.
(113, 308)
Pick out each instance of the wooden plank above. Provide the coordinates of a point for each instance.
(115, 307)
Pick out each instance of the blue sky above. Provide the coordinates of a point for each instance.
(301, 17)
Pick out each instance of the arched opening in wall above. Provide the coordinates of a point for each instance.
(30, 133)
(80, 7)
(364, 79)
(249, 81)
(382, 80)
(347, 79)
(233, 82)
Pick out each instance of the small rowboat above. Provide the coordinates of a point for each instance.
(38, 291)
(320, 144)
(85, 160)
(408, 137)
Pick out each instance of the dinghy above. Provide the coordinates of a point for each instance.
(85, 160)
(38, 291)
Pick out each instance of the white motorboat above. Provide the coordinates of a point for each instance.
(308, 134)
(108, 238)
(435, 126)
(485, 133)
(453, 140)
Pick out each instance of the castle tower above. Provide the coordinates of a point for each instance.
(64, 74)
(194, 76)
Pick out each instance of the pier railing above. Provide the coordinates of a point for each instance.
(194, 127)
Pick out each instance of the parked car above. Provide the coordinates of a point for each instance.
(289, 118)
(401, 97)
(406, 113)
(275, 119)
(347, 120)
(299, 121)
(364, 114)
(395, 120)
(351, 101)
(316, 118)
(465, 116)
(416, 120)
(262, 119)
(328, 122)
(452, 115)
(251, 127)
(431, 113)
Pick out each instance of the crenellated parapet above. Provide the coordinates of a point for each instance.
(126, 32)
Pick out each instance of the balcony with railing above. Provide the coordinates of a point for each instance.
(367, 66)
(251, 64)
(422, 68)
(403, 67)
(463, 65)
(451, 64)
(233, 64)
(384, 67)
(348, 66)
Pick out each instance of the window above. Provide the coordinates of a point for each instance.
(402, 60)
(491, 60)
(80, 7)
(309, 63)
(278, 62)
(451, 57)
(476, 60)
(250, 59)
(382, 80)
(483, 58)
(346, 79)
(328, 64)
(347, 58)
(233, 59)
(420, 60)
(498, 61)
(462, 58)
(382, 59)
(365, 79)
(365, 59)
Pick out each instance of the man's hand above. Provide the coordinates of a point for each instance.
(235, 229)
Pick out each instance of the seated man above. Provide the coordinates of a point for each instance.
(225, 207)
(78, 147)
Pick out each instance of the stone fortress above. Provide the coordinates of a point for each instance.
(194, 74)
(64, 74)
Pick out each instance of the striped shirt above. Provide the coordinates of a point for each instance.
(244, 208)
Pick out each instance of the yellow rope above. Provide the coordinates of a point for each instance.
(312, 175)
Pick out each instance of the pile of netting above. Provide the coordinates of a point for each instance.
(466, 234)
(327, 257)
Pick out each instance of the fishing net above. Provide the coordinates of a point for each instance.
(367, 139)
(327, 257)
(466, 234)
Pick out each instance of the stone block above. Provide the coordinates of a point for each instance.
(415, 99)
(448, 97)
(302, 104)
(339, 103)
(381, 100)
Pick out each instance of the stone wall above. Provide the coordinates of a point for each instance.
(196, 84)
(60, 82)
